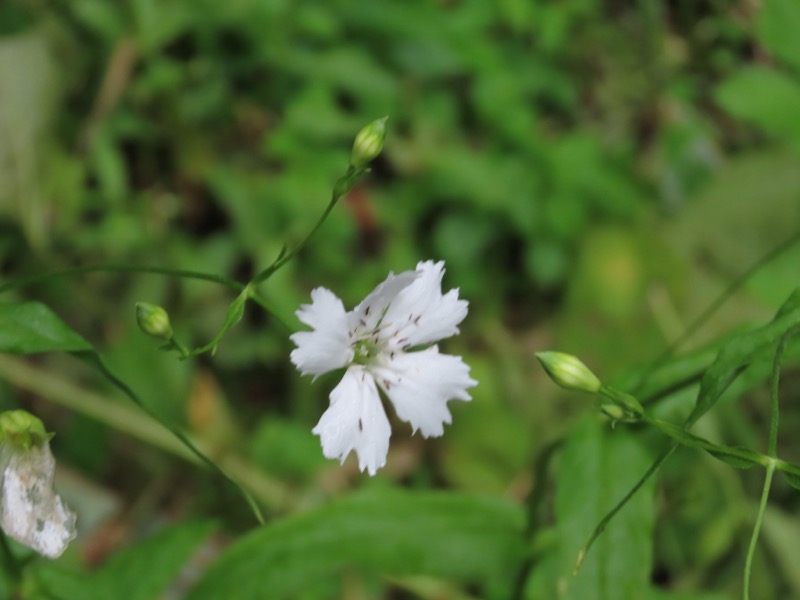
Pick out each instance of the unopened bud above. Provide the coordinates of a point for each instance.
(153, 320)
(569, 372)
(614, 412)
(368, 143)
(21, 430)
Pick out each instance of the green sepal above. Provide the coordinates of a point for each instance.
(22, 430)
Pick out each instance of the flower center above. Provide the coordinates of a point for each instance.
(364, 351)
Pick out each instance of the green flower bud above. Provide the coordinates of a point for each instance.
(368, 143)
(153, 320)
(632, 407)
(21, 430)
(614, 412)
(569, 372)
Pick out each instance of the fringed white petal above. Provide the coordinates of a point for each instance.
(421, 314)
(327, 347)
(355, 420)
(419, 385)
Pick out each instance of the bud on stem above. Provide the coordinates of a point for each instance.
(153, 320)
(368, 143)
(569, 372)
(22, 430)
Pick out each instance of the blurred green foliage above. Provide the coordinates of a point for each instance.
(593, 173)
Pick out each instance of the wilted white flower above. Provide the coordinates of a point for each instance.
(30, 510)
(384, 343)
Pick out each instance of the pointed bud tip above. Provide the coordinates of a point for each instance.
(569, 371)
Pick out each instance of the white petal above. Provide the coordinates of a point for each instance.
(355, 420)
(421, 314)
(419, 384)
(30, 510)
(328, 346)
(367, 315)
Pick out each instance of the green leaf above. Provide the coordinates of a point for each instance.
(454, 536)
(144, 571)
(736, 456)
(741, 351)
(791, 471)
(764, 97)
(777, 26)
(56, 581)
(741, 458)
(793, 480)
(31, 327)
(597, 467)
(782, 536)
(140, 572)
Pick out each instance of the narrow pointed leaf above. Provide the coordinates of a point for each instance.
(791, 471)
(741, 458)
(741, 351)
(31, 328)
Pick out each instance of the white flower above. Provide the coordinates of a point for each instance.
(378, 341)
(30, 510)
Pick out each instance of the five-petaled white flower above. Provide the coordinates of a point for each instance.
(379, 342)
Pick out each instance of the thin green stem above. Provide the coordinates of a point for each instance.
(267, 306)
(340, 189)
(695, 324)
(762, 507)
(669, 351)
(772, 445)
(613, 512)
(153, 270)
(94, 359)
(25, 281)
(731, 289)
(135, 423)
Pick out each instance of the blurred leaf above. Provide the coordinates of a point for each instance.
(597, 468)
(765, 98)
(285, 448)
(777, 26)
(143, 571)
(100, 17)
(53, 581)
(782, 534)
(658, 594)
(31, 327)
(109, 166)
(455, 536)
(29, 80)
(740, 216)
